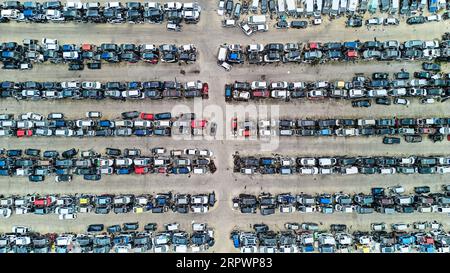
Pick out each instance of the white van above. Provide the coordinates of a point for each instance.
(349, 170)
(256, 20)
(222, 55)
(366, 122)
(226, 66)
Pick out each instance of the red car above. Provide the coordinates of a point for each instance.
(261, 94)
(140, 170)
(205, 90)
(201, 123)
(234, 124)
(22, 133)
(43, 202)
(161, 170)
(147, 116)
(351, 54)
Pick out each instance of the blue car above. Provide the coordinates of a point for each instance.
(123, 171)
(95, 228)
(180, 170)
(4, 172)
(142, 132)
(166, 115)
(105, 123)
(325, 132)
(11, 153)
(114, 229)
(3, 162)
(162, 132)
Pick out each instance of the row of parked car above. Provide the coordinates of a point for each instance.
(68, 206)
(259, 23)
(22, 56)
(426, 237)
(114, 12)
(345, 165)
(332, 8)
(411, 128)
(92, 165)
(153, 90)
(132, 123)
(117, 239)
(378, 200)
(425, 85)
(317, 52)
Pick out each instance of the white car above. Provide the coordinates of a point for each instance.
(427, 101)
(123, 162)
(349, 170)
(142, 123)
(71, 84)
(400, 227)
(391, 21)
(74, 5)
(258, 85)
(206, 153)
(255, 48)
(93, 114)
(22, 241)
(308, 161)
(431, 44)
(246, 28)
(70, 216)
(279, 85)
(262, 27)
(346, 132)
(308, 170)
(327, 161)
(84, 123)
(21, 210)
(20, 229)
(387, 170)
(221, 7)
(91, 85)
(407, 160)
(443, 169)
(401, 101)
(317, 94)
(356, 93)
(200, 208)
(434, 18)
(279, 94)
(5, 212)
(375, 21)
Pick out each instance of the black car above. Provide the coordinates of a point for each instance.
(431, 67)
(282, 24)
(361, 103)
(130, 115)
(436, 137)
(383, 101)
(92, 177)
(95, 228)
(299, 24)
(76, 66)
(354, 21)
(415, 20)
(36, 178)
(32, 152)
(94, 65)
(413, 138)
(391, 140)
(113, 152)
(70, 153)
